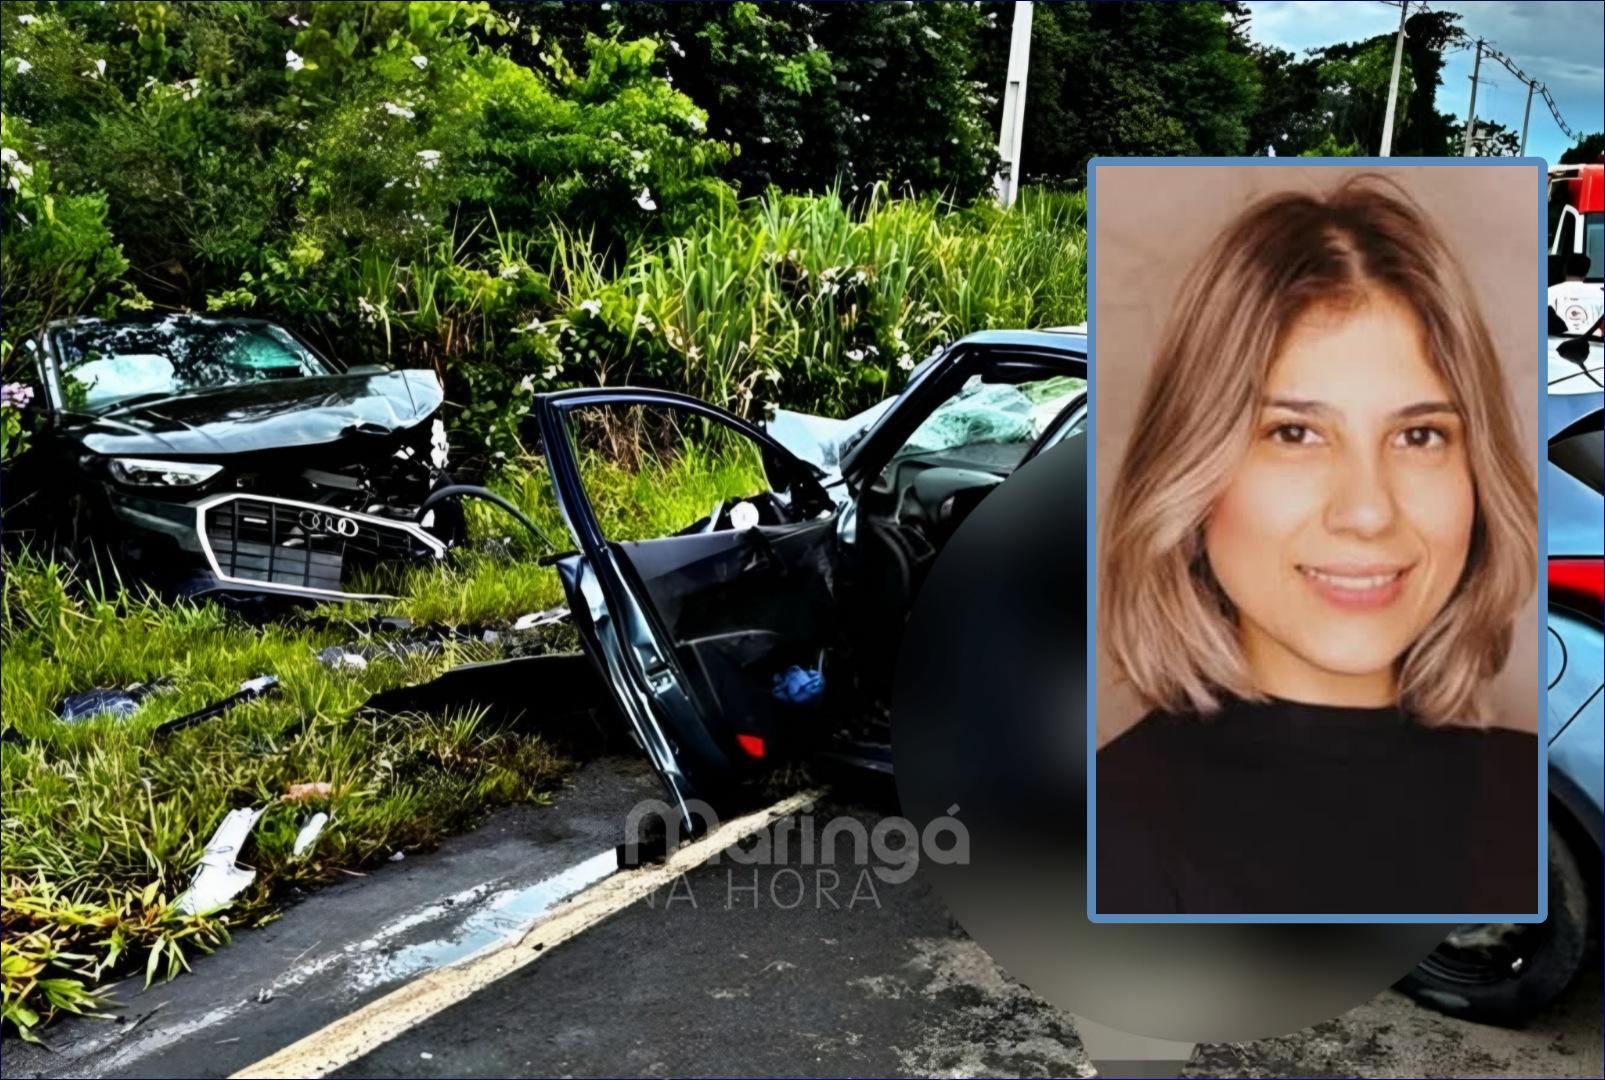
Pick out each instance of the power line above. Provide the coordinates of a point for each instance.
(1540, 88)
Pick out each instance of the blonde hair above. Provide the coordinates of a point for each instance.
(1165, 621)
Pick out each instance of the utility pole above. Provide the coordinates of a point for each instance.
(1526, 114)
(1010, 131)
(1471, 111)
(1393, 83)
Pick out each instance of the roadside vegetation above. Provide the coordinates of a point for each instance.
(521, 201)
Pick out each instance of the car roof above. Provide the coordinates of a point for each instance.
(153, 318)
(1070, 339)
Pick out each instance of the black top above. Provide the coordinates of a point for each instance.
(1286, 808)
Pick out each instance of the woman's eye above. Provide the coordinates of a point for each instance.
(1293, 435)
(1423, 438)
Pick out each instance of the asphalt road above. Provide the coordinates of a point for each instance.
(795, 968)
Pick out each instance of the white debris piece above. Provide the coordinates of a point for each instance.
(309, 834)
(219, 878)
(537, 619)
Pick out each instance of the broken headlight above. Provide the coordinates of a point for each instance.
(148, 472)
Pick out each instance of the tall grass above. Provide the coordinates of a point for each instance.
(814, 301)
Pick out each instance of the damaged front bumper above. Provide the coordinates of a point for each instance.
(241, 543)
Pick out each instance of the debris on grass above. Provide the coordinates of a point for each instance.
(337, 658)
(117, 702)
(537, 619)
(310, 831)
(220, 879)
(249, 690)
(317, 789)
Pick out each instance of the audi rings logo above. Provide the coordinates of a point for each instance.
(316, 521)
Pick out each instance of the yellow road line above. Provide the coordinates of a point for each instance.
(380, 1021)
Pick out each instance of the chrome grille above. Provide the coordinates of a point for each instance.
(302, 546)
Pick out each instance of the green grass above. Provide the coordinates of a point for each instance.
(800, 300)
(105, 821)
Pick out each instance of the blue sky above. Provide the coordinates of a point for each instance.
(1561, 44)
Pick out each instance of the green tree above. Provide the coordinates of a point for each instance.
(1130, 79)
(1586, 151)
(814, 95)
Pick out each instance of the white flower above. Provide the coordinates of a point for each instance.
(293, 61)
(697, 124)
(906, 362)
(23, 67)
(508, 270)
(773, 375)
(591, 307)
(855, 355)
(828, 288)
(527, 384)
(931, 33)
(552, 371)
(7, 155)
(644, 200)
(642, 319)
(429, 158)
(98, 70)
(399, 110)
(607, 7)
(420, 62)
(674, 47)
(27, 20)
(765, 139)
(296, 20)
(863, 118)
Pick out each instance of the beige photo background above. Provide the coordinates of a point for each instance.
(1152, 223)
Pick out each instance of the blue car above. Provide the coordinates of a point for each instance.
(1505, 973)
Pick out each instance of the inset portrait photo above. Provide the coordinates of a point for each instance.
(1316, 542)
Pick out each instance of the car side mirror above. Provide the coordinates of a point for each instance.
(367, 369)
(1574, 349)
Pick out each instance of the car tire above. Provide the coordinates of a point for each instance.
(1508, 983)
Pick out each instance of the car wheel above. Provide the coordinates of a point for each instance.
(1503, 973)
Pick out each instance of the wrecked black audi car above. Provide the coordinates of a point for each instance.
(226, 456)
(745, 637)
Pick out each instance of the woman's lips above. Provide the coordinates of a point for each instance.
(1362, 587)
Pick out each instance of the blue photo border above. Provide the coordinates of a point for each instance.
(1541, 169)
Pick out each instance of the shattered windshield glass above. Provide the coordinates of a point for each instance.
(111, 364)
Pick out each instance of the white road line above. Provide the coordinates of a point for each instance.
(380, 1021)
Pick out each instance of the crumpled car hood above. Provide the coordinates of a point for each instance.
(268, 415)
(820, 440)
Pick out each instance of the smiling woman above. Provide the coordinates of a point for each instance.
(1310, 573)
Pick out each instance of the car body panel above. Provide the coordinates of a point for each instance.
(304, 413)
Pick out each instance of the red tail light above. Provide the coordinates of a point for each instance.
(1578, 583)
(752, 744)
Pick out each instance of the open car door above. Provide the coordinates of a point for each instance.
(697, 626)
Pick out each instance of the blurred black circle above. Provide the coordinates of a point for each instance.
(990, 716)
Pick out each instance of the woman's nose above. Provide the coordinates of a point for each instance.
(1360, 500)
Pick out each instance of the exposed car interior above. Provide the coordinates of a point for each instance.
(989, 424)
